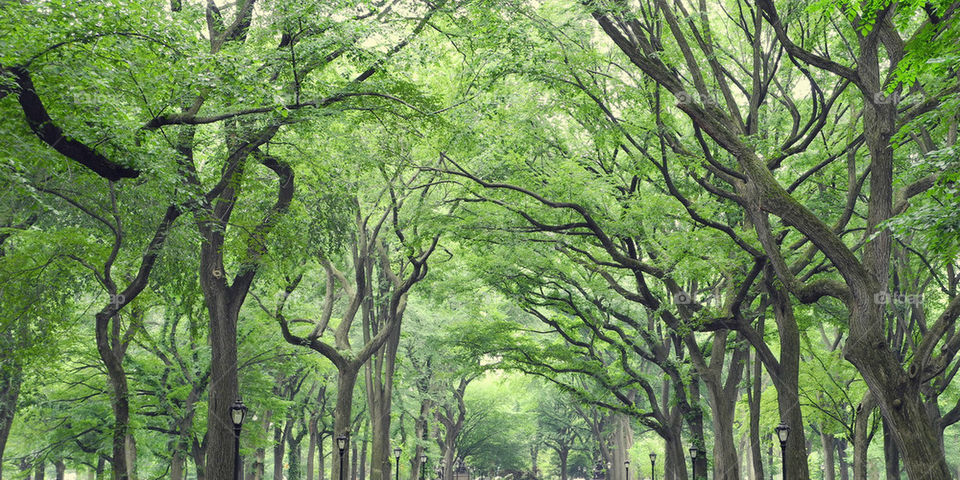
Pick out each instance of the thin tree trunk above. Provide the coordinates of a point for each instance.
(311, 447)
(279, 445)
(891, 459)
(11, 377)
(860, 440)
(754, 394)
(842, 459)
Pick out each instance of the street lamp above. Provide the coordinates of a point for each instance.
(783, 431)
(423, 464)
(237, 411)
(626, 467)
(396, 453)
(341, 446)
(693, 461)
(653, 465)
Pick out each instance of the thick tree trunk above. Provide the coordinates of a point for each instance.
(294, 456)
(223, 374)
(829, 465)
(562, 454)
(61, 469)
(346, 381)
(676, 464)
(787, 381)
(898, 398)
(177, 462)
(623, 441)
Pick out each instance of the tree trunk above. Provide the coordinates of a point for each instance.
(563, 453)
(842, 459)
(111, 354)
(177, 461)
(891, 458)
(11, 377)
(223, 372)
(294, 456)
(198, 451)
(754, 394)
(360, 461)
(623, 441)
(61, 469)
(829, 466)
(346, 381)
(675, 465)
(321, 473)
(861, 442)
(279, 444)
(787, 381)
(311, 447)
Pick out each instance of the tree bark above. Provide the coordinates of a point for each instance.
(11, 377)
(346, 381)
(861, 440)
(829, 465)
(754, 394)
(312, 448)
(842, 459)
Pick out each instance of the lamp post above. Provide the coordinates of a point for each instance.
(443, 466)
(783, 431)
(341, 446)
(693, 461)
(396, 453)
(423, 464)
(653, 465)
(237, 411)
(626, 468)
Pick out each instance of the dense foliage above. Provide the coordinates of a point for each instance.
(526, 239)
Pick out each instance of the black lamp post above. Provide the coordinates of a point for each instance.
(653, 466)
(783, 431)
(342, 447)
(396, 453)
(626, 468)
(597, 471)
(423, 465)
(237, 411)
(693, 461)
